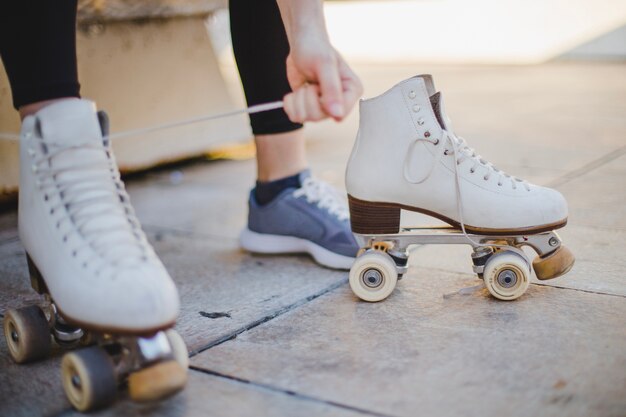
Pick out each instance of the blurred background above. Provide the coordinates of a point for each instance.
(498, 61)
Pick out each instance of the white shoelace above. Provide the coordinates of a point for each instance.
(461, 152)
(94, 191)
(464, 152)
(324, 196)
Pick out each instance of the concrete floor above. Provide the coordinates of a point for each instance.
(306, 346)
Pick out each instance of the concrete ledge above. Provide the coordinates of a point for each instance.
(116, 10)
(143, 71)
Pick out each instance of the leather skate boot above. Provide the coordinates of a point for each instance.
(406, 156)
(79, 229)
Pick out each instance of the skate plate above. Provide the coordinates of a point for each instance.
(498, 260)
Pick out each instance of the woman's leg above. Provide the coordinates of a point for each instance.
(289, 211)
(75, 222)
(261, 48)
(38, 50)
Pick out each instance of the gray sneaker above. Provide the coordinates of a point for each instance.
(312, 219)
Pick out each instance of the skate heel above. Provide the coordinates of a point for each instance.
(373, 218)
(36, 279)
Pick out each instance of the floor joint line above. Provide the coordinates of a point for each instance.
(268, 317)
(289, 392)
(585, 169)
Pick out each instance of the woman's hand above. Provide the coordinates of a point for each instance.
(322, 82)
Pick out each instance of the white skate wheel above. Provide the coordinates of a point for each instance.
(507, 275)
(373, 276)
(89, 378)
(179, 348)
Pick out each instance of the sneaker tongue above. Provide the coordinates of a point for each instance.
(436, 101)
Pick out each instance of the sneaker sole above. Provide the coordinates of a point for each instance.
(277, 244)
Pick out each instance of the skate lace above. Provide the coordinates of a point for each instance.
(324, 196)
(121, 243)
(462, 152)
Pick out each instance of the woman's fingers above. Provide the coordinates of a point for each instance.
(352, 87)
(308, 103)
(304, 104)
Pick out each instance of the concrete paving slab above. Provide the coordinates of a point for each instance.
(36, 390)
(597, 198)
(218, 210)
(554, 352)
(223, 290)
(32, 389)
(207, 395)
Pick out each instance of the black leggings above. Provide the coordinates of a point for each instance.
(38, 50)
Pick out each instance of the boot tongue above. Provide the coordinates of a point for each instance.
(437, 103)
(70, 122)
(73, 138)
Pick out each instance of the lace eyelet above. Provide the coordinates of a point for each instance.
(412, 94)
(427, 134)
(436, 142)
(51, 211)
(64, 238)
(45, 197)
(416, 109)
(486, 179)
(499, 184)
(74, 253)
(472, 170)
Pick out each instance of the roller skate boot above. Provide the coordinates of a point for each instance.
(104, 288)
(407, 157)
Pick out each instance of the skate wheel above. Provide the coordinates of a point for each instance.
(555, 264)
(27, 333)
(89, 378)
(179, 348)
(157, 381)
(373, 276)
(507, 275)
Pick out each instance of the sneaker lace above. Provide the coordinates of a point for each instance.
(324, 196)
(87, 193)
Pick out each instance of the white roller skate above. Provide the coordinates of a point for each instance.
(103, 284)
(407, 157)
